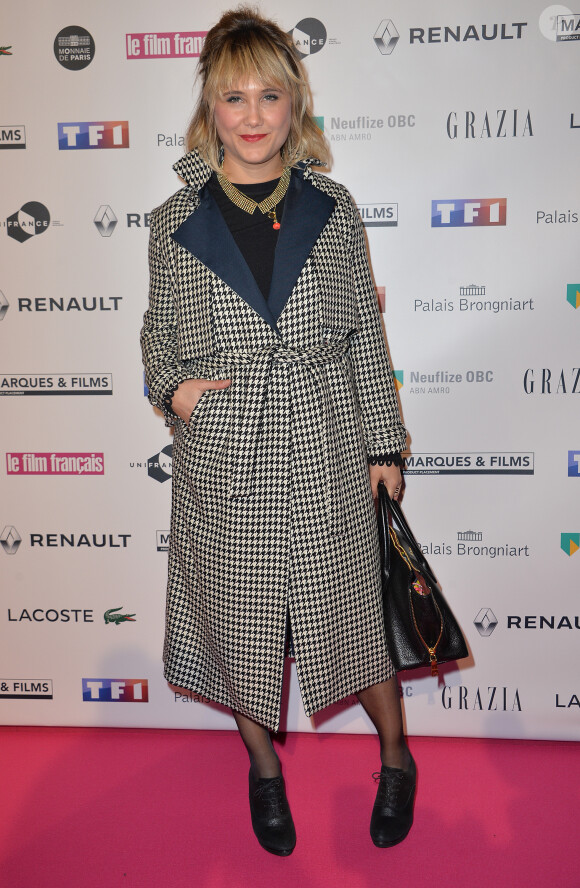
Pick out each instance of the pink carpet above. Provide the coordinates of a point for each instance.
(103, 807)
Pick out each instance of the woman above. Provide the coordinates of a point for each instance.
(263, 346)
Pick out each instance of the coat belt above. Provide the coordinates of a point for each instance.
(247, 419)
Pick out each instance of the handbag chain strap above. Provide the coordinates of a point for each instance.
(432, 651)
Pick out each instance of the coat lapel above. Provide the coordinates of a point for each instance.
(207, 237)
(306, 212)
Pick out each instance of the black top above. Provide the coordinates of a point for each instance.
(254, 235)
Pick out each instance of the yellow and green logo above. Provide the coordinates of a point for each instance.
(573, 295)
(570, 542)
(319, 121)
(398, 377)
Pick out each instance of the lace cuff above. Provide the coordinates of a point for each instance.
(388, 459)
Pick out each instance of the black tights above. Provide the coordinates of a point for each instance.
(382, 704)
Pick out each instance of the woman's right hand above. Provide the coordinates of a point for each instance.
(188, 393)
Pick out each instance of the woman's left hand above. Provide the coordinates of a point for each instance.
(392, 477)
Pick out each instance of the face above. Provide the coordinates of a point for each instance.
(253, 122)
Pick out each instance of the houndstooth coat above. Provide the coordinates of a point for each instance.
(272, 513)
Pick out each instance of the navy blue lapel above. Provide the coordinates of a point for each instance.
(306, 212)
(205, 234)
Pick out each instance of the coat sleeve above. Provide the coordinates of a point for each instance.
(163, 369)
(382, 426)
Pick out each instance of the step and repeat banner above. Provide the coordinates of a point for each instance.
(457, 129)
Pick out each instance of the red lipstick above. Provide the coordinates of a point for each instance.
(254, 138)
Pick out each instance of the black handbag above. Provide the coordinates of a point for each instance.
(419, 624)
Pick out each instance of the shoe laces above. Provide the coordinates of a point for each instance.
(270, 792)
(390, 784)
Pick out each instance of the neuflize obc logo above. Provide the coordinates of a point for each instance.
(468, 212)
(115, 690)
(80, 135)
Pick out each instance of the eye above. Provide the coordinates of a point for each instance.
(232, 100)
(271, 97)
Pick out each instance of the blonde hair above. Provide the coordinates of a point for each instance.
(244, 46)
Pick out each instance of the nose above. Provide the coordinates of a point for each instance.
(253, 113)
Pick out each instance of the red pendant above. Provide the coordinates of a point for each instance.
(276, 226)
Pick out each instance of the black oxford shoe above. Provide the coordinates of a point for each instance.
(392, 815)
(271, 818)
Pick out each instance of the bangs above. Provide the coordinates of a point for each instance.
(246, 60)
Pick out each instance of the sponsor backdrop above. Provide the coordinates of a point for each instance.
(457, 128)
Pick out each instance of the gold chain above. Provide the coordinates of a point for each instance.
(431, 650)
(249, 205)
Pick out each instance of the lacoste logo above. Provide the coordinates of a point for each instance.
(5, 50)
(112, 617)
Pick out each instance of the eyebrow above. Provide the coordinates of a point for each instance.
(239, 92)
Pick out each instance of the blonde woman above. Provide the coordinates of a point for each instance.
(263, 347)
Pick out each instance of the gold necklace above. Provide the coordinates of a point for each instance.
(266, 206)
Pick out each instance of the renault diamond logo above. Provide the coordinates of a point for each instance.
(105, 221)
(485, 622)
(386, 37)
(10, 539)
(4, 305)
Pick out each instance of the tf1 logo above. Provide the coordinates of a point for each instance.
(115, 690)
(96, 134)
(468, 213)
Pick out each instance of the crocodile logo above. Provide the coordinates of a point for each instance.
(5, 50)
(111, 616)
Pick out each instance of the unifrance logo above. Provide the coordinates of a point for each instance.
(115, 690)
(93, 134)
(165, 45)
(573, 464)
(468, 213)
(570, 543)
(55, 464)
(308, 36)
(573, 295)
(32, 218)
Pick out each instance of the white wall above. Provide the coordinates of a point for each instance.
(522, 322)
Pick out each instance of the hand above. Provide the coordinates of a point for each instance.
(189, 392)
(392, 477)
